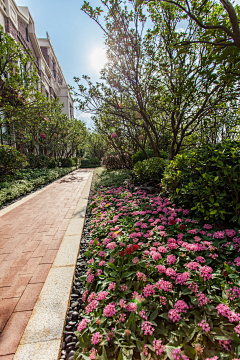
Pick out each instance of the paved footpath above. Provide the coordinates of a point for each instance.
(30, 236)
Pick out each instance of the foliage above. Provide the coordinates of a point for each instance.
(114, 162)
(140, 155)
(108, 178)
(155, 94)
(11, 159)
(23, 182)
(207, 180)
(68, 162)
(96, 146)
(158, 284)
(150, 170)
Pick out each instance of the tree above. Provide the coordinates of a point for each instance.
(150, 87)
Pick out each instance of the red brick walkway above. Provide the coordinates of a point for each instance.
(30, 236)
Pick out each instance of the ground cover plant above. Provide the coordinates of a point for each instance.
(21, 182)
(107, 178)
(159, 285)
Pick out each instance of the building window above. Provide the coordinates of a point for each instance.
(27, 34)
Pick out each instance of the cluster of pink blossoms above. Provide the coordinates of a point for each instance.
(147, 328)
(204, 325)
(102, 295)
(181, 306)
(96, 338)
(224, 310)
(158, 347)
(91, 306)
(206, 272)
(109, 310)
(174, 315)
(148, 290)
(141, 276)
(177, 355)
(82, 325)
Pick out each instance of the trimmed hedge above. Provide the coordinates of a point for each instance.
(150, 170)
(207, 180)
(140, 156)
(11, 190)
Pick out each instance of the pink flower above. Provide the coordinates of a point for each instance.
(163, 300)
(90, 278)
(162, 249)
(203, 299)
(182, 278)
(158, 347)
(96, 338)
(123, 287)
(206, 272)
(171, 272)
(237, 329)
(135, 260)
(93, 354)
(111, 245)
(164, 285)
(84, 296)
(82, 325)
(147, 328)
(91, 306)
(171, 259)
(102, 254)
(132, 307)
(141, 276)
(99, 272)
(102, 295)
(91, 297)
(200, 259)
(148, 290)
(219, 235)
(112, 286)
(102, 263)
(174, 315)
(204, 325)
(109, 310)
(143, 314)
(161, 269)
(122, 304)
(181, 306)
(122, 317)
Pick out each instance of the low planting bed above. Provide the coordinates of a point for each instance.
(25, 181)
(158, 285)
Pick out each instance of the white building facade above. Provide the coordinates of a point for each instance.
(18, 23)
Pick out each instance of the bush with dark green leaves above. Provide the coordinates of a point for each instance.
(11, 159)
(94, 161)
(207, 181)
(150, 170)
(39, 161)
(67, 162)
(140, 156)
(115, 162)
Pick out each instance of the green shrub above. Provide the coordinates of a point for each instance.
(207, 180)
(52, 163)
(85, 162)
(140, 156)
(11, 159)
(95, 161)
(77, 161)
(67, 162)
(37, 161)
(115, 162)
(150, 170)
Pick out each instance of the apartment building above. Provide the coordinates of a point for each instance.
(18, 22)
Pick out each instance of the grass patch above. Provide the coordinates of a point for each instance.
(24, 181)
(108, 178)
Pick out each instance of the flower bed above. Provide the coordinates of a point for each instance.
(159, 285)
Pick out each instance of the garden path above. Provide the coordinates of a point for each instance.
(30, 236)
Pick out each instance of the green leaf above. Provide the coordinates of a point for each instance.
(154, 315)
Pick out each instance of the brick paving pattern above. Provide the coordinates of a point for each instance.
(30, 236)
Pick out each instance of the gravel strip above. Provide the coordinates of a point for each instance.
(76, 304)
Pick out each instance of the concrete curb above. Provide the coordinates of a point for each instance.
(43, 335)
(30, 196)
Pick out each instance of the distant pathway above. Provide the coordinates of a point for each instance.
(30, 236)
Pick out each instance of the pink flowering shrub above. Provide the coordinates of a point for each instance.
(161, 284)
